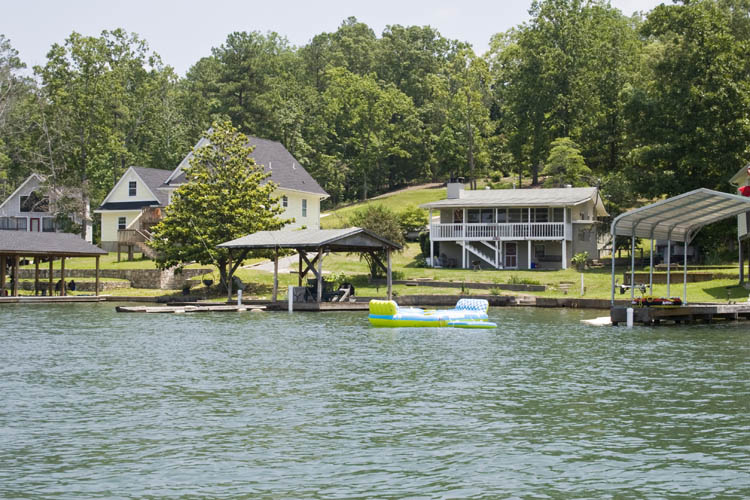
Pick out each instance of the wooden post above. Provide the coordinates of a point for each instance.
(96, 286)
(3, 270)
(36, 275)
(389, 279)
(742, 262)
(130, 252)
(118, 252)
(16, 263)
(320, 275)
(63, 292)
(229, 280)
(275, 293)
(51, 284)
(299, 254)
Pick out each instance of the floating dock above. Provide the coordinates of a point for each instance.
(187, 309)
(706, 313)
(46, 299)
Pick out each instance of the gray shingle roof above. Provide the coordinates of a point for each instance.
(285, 170)
(521, 198)
(349, 239)
(154, 177)
(33, 243)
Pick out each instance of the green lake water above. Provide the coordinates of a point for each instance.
(96, 404)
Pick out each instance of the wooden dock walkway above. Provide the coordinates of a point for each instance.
(690, 313)
(46, 299)
(187, 309)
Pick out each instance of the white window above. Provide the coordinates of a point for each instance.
(132, 190)
(284, 201)
(304, 207)
(121, 223)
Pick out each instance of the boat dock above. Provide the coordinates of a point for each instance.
(188, 309)
(706, 313)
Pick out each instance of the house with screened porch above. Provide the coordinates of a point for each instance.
(514, 228)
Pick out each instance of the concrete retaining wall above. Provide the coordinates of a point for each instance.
(676, 277)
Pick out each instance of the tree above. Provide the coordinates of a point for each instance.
(690, 116)
(382, 221)
(565, 165)
(224, 197)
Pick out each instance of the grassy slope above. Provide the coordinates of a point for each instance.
(398, 201)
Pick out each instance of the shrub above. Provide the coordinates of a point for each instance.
(515, 280)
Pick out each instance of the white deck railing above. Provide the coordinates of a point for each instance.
(510, 231)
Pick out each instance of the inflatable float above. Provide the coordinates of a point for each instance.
(468, 313)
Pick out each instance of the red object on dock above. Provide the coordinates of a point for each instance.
(744, 190)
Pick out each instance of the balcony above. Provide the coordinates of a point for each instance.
(506, 231)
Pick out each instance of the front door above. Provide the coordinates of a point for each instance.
(34, 225)
(511, 255)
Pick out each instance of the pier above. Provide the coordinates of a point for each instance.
(706, 313)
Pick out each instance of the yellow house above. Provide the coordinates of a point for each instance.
(135, 203)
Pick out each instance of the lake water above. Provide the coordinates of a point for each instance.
(224, 405)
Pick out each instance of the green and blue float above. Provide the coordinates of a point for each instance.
(468, 313)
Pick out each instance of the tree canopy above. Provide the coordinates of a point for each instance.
(656, 103)
(226, 195)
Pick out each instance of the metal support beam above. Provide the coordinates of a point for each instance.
(319, 298)
(632, 265)
(651, 266)
(275, 293)
(97, 276)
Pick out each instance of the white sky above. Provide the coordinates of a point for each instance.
(182, 32)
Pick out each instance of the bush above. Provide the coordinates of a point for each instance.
(515, 280)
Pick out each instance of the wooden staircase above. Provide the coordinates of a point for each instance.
(137, 235)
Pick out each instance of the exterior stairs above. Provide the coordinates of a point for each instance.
(488, 258)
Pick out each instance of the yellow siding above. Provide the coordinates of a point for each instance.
(294, 209)
(120, 192)
(109, 223)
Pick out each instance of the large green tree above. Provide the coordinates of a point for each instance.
(226, 195)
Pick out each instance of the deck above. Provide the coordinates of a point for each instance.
(690, 313)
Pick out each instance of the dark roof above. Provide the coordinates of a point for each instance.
(285, 170)
(351, 239)
(29, 243)
(155, 177)
(129, 205)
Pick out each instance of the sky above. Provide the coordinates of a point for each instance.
(183, 32)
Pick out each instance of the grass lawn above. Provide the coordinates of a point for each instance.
(398, 201)
(596, 281)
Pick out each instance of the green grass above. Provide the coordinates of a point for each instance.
(597, 281)
(397, 202)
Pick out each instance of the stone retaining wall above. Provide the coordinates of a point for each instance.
(676, 277)
(139, 278)
(81, 286)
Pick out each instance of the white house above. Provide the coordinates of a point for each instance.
(34, 207)
(135, 203)
(514, 228)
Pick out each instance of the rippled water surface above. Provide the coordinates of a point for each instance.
(99, 404)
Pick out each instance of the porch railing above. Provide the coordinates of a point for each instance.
(504, 231)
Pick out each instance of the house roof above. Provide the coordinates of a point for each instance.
(741, 177)
(30, 243)
(680, 218)
(545, 197)
(154, 178)
(338, 240)
(128, 205)
(19, 188)
(285, 170)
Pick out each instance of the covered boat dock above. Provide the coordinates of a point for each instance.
(15, 245)
(320, 242)
(677, 219)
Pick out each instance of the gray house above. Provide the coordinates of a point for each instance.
(34, 207)
(514, 228)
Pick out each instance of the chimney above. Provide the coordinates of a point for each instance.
(455, 187)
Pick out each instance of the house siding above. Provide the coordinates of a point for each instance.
(120, 191)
